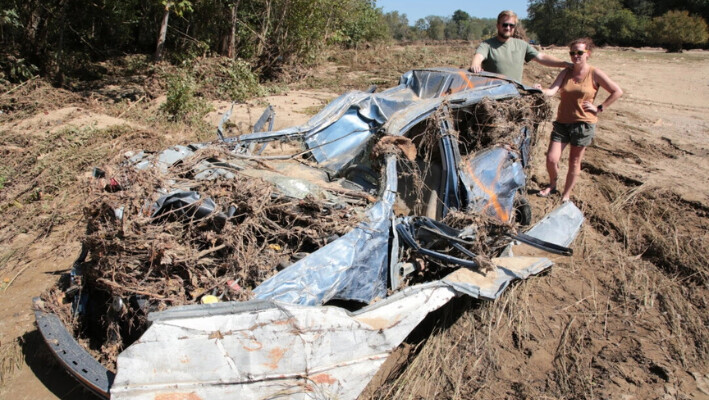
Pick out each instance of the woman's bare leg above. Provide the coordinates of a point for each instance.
(575, 158)
(553, 157)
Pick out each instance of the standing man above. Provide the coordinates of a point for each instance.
(504, 54)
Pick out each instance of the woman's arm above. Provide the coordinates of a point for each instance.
(554, 86)
(607, 83)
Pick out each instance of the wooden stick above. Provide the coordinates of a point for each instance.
(19, 86)
(136, 291)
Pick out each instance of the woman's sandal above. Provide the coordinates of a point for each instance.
(547, 191)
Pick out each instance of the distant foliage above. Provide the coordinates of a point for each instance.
(460, 26)
(620, 22)
(398, 26)
(674, 28)
(271, 35)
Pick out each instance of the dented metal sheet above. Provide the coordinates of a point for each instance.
(353, 267)
(404, 120)
(492, 179)
(264, 349)
(261, 350)
(338, 132)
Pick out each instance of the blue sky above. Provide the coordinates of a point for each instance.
(415, 9)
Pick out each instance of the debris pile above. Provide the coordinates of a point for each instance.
(141, 258)
(498, 122)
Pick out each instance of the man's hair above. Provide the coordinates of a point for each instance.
(506, 14)
(585, 40)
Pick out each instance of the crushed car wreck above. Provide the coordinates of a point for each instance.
(291, 263)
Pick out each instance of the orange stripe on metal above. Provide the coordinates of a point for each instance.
(468, 84)
(499, 210)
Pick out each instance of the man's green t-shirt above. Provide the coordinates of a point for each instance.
(506, 58)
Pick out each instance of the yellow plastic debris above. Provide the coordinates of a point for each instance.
(209, 299)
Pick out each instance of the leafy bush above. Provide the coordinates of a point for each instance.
(237, 81)
(675, 28)
(181, 103)
(16, 69)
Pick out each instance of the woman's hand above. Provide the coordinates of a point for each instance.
(588, 106)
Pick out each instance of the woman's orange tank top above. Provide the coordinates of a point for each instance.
(573, 94)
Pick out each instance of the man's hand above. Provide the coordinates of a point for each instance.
(476, 65)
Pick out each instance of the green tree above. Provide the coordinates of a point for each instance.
(436, 27)
(676, 28)
(179, 7)
(620, 27)
(641, 8)
(362, 22)
(451, 30)
(420, 28)
(545, 17)
(398, 25)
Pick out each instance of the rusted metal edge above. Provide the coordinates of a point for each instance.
(75, 360)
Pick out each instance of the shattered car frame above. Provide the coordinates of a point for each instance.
(416, 152)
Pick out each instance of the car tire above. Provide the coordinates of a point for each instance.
(522, 211)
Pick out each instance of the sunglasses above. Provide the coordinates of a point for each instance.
(506, 25)
(578, 53)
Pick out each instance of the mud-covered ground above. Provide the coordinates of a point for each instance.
(625, 318)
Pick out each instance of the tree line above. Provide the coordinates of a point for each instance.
(672, 24)
(51, 36)
(458, 26)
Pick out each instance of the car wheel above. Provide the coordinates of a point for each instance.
(523, 211)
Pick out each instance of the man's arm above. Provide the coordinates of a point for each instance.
(551, 61)
(477, 64)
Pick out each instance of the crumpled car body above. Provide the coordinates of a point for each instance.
(289, 341)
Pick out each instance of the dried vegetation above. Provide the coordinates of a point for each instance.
(151, 258)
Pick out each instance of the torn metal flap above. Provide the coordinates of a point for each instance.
(268, 350)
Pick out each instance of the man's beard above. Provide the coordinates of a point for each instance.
(504, 34)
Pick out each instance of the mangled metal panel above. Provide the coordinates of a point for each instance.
(279, 348)
(559, 226)
(402, 121)
(437, 82)
(263, 349)
(340, 142)
(338, 132)
(492, 179)
(328, 115)
(337, 144)
(353, 267)
(269, 350)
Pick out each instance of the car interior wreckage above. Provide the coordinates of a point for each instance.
(293, 262)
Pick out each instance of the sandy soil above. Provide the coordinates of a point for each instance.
(657, 134)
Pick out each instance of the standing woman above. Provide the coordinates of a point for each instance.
(577, 115)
